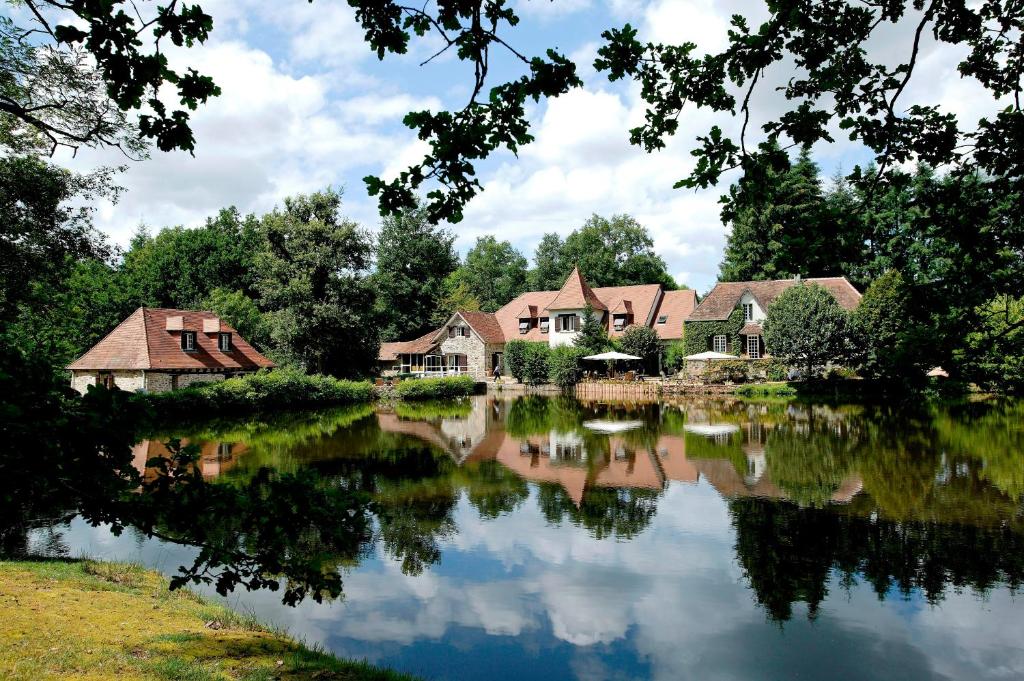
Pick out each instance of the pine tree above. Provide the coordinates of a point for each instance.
(593, 337)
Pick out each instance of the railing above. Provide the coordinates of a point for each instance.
(448, 371)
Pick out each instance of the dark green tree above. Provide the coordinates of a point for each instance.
(413, 260)
(806, 327)
(313, 280)
(494, 272)
(242, 313)
(593, 335)
(457, 296)
(643, 342)
(891, 333)
(549, 271)
(613, 252)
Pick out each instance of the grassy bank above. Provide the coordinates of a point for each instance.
(88, 620)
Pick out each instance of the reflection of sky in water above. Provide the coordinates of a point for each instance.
(518, 598)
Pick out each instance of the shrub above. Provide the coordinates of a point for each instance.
(766, 390)
(265, 389)
(641, 341)
(535, 365)
(806, 326)
(675, 357)
(565, 365)
(726, 371)
(436, 388)
(516, 352)
(894, 343)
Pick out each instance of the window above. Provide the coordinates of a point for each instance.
(567, 322)
(544, 323)
(524, 325)
(754, 347)
(224, 342)
(720, 344)
(457, 362)
(620, 321)
(748, 312)
(434, 363)
(663, 319)
(451, 332)
(188, 340)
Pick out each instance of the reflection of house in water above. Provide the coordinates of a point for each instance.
(214, 459)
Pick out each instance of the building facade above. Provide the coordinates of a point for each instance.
(160, 349)
(473, 342)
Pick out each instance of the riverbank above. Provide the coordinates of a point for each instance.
(96, 620)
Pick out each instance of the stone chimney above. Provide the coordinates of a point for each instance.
(211, 325)
(176, 323)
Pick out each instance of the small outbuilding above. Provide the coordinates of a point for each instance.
(160, 349)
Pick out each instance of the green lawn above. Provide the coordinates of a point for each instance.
(89, 620)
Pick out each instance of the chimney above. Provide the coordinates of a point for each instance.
(175, 323)
(211, 325)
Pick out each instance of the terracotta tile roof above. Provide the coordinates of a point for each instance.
(389, 352)
(142, 341)
(485, 324)
(508, 315)
(724, 298)
(751, 329)
(640, 298)
(575, 294)
(676, 306)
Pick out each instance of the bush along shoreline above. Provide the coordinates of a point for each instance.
(281, 389)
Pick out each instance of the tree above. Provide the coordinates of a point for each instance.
(515, 355)
(535, 364)
(413, 260)
(643, 342)
(242, 313)
(992, 355)
(549, 271)
(783, 225)
(180, 267)
(494, 272)
(312, 276)
(593, 336)
(457, 296)
(565, 366)
(805, 326)
(70, 83)
(613, 252)
(891, 332)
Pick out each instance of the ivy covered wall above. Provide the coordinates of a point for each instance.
(698, 333)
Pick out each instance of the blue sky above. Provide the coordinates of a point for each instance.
(305, 105)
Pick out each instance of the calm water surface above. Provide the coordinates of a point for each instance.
(539, 538)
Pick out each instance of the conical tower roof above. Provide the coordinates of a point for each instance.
(576, 294)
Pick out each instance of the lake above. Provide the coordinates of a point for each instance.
(546, 538)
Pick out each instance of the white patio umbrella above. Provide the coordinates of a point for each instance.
(612, 427)
(605, 356)
(709, 355)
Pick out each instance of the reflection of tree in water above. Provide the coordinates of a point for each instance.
(622, 513)
(495, 490)
(788, 554)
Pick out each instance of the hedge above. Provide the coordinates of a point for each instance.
(436, 388)
(565, 365)
(280, 388)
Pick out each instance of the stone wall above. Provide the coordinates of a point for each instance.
(129, 380)
(158, 382)
(81, 380)
(474, 350)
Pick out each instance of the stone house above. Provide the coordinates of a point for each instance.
(729, 318)
(473, 342)
(159, 349)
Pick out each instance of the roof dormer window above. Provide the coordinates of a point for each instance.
(524, 325)
(663, 319)
(188, 341)
(224, 342)
(619, 321)
(544, 324)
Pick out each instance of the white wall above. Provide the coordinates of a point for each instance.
(759, 314)
(556, 337)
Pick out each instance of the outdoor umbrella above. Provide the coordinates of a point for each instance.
(707, 355)
(605, 356)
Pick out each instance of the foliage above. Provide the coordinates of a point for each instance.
(516, 352)
(993, 353)
(565, 365)
(805, 326)
(766, 390)
(262, 390)
(444, 387)
(616, 251)
(456, 296)
(593, 335)
(535, 364)
(414, 259)
(641, 341)
(782, 226)
(312, 277)
(675, 355)
(180, 267)
(242, 313)
(891, 334)
(71, 81)
(698, 334)
(726, 371)
(494, 272)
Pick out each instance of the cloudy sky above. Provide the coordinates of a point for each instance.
(305, 105)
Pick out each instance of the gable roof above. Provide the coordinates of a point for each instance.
(576, 294)
(142, 341)
(389, 352)
(485, 324)
(725, 296)
(676, 306)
